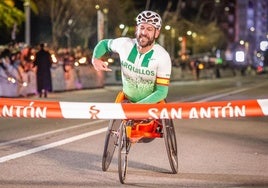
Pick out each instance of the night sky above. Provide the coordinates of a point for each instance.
(156, 5)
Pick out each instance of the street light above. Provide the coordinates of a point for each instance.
(171, 38)
(167, 27)
(124, 29)
(192, 36)
(68, 32)
(27, 11)
(242, 42)
(102, 22)
(168, 41)
(189, 33)
(121, 26)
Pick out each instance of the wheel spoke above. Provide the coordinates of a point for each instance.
(110, 143)
(123, 154)
(171, 144)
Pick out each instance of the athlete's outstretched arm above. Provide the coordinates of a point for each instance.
(158, 95)
(100, 49)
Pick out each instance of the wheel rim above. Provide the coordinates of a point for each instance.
(110, 143)
(171, 144)
(123, 150)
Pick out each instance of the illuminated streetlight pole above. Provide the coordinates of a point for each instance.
(192, 35)
(102, 22)
(124, 29)
(27, 11)
(171, 42)
(105, 11)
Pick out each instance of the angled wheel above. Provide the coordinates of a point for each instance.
(123, 149)
(111, 141)
(171, 144)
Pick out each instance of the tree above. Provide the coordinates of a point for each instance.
(76, 21)
(10, 16)
(208, 35)
(67, 17)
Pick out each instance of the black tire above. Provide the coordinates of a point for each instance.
(171, 144)
(111, 141)
(123, 149)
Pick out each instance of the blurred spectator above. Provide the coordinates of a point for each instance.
(43, 62)
(2, 66)
(19, 64)
(16, 63)
(5, 59)
(27, 57)
(195, 69)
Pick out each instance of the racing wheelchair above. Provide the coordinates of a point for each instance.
(123, 133)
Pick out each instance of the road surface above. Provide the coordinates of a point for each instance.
(212, 152)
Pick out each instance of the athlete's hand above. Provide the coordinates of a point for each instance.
(100, 65)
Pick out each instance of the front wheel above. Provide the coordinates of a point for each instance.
(171, 144)
(111, 141)
(123, 150)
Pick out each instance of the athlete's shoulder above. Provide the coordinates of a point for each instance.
(122, 40)
(160, 49)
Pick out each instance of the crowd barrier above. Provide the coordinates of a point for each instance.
(81, 77)
(18, 108)
(12, 82)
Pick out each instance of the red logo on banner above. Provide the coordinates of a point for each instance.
(93, 112)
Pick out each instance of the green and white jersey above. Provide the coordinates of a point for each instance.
(141, 72)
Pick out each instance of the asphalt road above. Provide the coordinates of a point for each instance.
(212, 152)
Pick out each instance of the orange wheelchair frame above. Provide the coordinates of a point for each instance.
(124, 133)
(138, 129)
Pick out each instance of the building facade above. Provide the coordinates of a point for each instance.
(251, 30)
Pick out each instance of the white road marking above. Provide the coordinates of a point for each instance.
(223, 95)
(51, 145)
(229, 93)
(49, 132)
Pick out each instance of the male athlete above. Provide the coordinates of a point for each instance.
(145, 65)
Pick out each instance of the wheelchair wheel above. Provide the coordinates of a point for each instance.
(111, 141)
(123, 149)
(171, 144)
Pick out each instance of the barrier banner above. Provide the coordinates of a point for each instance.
(18, 108)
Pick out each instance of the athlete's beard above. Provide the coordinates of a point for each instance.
(144, 44)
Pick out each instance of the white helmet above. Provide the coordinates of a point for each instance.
(149, 17)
